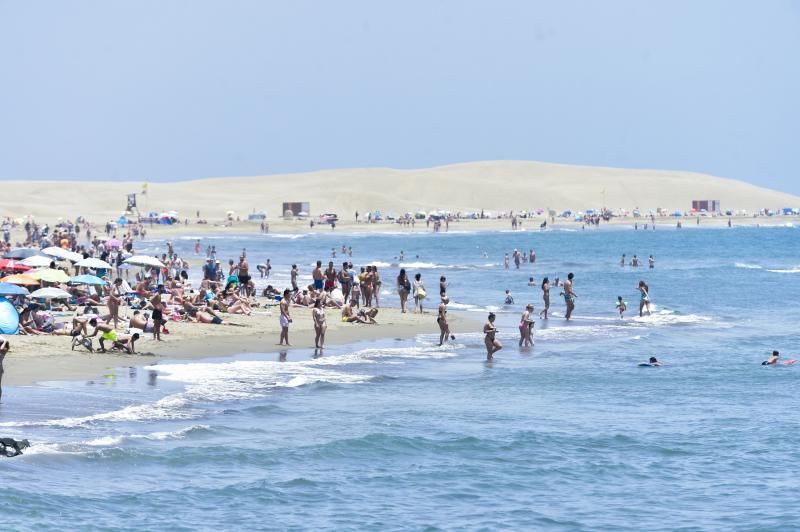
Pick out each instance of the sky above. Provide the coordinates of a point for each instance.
(164, 90)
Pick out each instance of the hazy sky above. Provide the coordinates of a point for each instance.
(165, 90)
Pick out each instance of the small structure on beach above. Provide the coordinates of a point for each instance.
(296, 208)
(706, 205)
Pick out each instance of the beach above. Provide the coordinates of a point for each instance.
(491, 186)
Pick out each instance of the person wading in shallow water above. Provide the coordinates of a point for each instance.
(569, 295)
(493, 345)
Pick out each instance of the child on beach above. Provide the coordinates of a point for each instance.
(621, 306)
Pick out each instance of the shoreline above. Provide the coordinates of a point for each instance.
(37, 359)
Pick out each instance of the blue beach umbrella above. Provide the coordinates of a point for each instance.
(8, 289)
(91, 280)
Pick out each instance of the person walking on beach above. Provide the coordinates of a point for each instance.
(115, 300)
(526, 324)
(318, 314)
(444, 325)
(285, 318)
(419, 292)
(569, 295)
(644, 300)
(403, 290)
(493, 345)
(545, 297)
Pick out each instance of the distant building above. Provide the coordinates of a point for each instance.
(706, 205)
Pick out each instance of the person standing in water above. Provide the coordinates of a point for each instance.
(419, 292)
(493, 345)
(441, 319)
(545, 297)
(621, 306)
(318, 314)
(569, 295)
(403, 290)
(293, 276)
(285, 318)
(652, 261)
(526, 324)
(644, 300)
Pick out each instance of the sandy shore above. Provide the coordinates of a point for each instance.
(43, 358)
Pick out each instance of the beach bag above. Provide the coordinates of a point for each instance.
(421, 293)
(407, 286)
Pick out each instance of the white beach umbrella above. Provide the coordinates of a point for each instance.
(144, 260)
(60, 253)
(91, 262)
(51, 293)
(37, 261)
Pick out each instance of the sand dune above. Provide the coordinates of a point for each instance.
(489, 185)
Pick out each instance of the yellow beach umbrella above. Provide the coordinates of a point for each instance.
(50, 275)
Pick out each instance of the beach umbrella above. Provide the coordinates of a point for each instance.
(144, 260)
(50, 275)
(8, 289)
(21, 253)
(91, 262)
(51, 293)
(37, 261)
(20, 279)
(61, 253)
(12, 265)
(90, 280)
(113, 243)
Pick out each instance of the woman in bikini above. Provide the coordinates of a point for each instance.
(493, 345)
(376, 286)
(115, 300)
(545, 297)
(644, 300)
(318, 314)
(441, 319)
(403, 289)
(525, 327)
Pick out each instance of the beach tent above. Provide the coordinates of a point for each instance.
(9, 317)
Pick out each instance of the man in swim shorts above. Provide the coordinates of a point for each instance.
(569, 295)
(244, 274)
(318, 276)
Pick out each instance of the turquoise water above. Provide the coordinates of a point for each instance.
(402, 434)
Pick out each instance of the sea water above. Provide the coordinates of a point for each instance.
(402, 434)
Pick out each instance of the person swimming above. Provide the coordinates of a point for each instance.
(652, 362)
(773, 360)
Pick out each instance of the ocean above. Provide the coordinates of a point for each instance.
(404, 435)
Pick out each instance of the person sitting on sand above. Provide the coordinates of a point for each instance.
(773, 360)
(349, 314)
(367, 315)
(140, 321)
